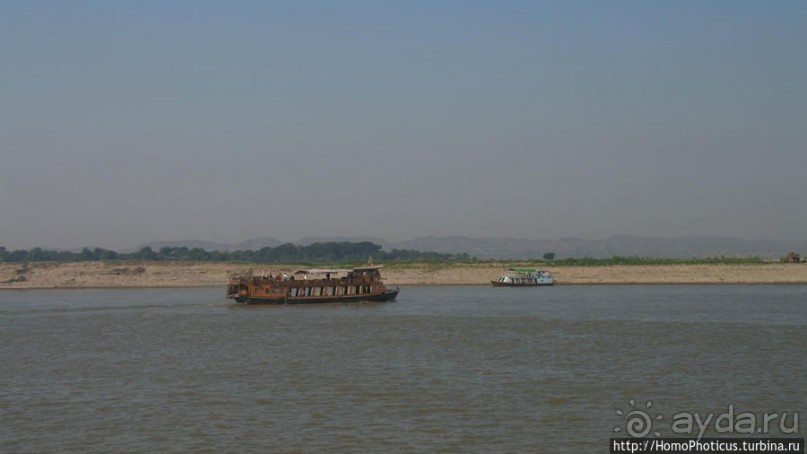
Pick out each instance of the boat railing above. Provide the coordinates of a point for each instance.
(320, 282)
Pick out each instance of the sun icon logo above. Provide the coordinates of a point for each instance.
(638, 423)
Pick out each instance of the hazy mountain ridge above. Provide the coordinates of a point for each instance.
(256, 244)
(190, 244)
(351, 239)
(519, 248)
(247, 245)
(622, 245)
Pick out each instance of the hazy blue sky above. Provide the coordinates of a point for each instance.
(123, 122)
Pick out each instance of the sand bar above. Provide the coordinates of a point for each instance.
(204, 274)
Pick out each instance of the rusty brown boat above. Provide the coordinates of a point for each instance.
(312, 286)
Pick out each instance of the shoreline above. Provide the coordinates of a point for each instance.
(140, 274)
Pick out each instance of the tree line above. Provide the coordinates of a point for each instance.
(330, 252)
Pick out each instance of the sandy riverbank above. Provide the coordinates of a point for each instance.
(184, 274)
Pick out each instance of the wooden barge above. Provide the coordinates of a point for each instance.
(312, 286)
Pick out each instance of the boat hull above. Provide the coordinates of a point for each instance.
(512, 284)
(388, 295)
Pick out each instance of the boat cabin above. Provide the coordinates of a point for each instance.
(312, 286)
(524, 277)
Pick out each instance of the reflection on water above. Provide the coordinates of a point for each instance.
(446, 369)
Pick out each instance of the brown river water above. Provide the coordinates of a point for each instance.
(442, 369)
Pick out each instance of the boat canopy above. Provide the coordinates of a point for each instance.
(368, 268)
(338, 270)
(322, 271)
(523, 270)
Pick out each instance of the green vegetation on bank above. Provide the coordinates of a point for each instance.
(345, 253)
(332, 252)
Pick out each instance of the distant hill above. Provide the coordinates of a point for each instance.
(190, 244)
(248, 245)
(256, 244)
(623, 245)
(519, 248)
(338, 239)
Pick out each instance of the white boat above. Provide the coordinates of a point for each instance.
(524, 277)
